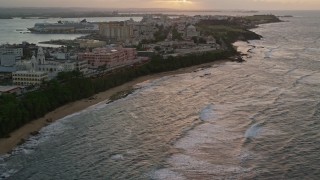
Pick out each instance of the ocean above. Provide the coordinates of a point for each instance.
(254, 120)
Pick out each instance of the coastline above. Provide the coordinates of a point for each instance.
(21, 134)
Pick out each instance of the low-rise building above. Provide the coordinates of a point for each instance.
(27, 78)
(11, 90)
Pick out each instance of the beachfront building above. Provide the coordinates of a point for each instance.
(116, 31)
(109, 57)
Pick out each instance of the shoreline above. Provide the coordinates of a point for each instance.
(18, 136)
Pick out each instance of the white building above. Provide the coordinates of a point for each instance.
(41, 58)
(40, 66)
(59, 55)
(53, 67)
(30, 76)
(38, 70)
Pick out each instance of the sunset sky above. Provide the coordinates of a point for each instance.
(176, 4)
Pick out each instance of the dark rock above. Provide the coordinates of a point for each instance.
(34, 133)
(21, 141)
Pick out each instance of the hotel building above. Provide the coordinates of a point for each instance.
(109, 57)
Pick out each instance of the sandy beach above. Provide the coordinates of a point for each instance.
(16, 137)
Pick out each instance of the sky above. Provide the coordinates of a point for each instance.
(174, 4)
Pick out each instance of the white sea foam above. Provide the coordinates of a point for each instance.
(44, 135)
(188, 163)
(207, 114)
(253, 131)
(312, 79)
(7, 174)
(164, 174)
(117, 157)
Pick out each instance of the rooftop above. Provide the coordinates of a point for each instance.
(7, 88)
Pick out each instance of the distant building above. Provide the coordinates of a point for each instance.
(59, 55)
(144, 31)
(146, 53)
(109, 57)
(81, 65)
(15, 51)
(211, 40)
(8, 58)
(191, 31)
(92, 43)
(116, 31)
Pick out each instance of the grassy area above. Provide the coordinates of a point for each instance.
(227, 33)
(235, 28)
(262, 18)
(220, 30)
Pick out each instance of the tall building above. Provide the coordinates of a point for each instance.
(116, 31)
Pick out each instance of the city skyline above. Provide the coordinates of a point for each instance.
(173, 4)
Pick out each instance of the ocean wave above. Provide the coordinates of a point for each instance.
(208, 114)
(165, 174)
(45, 134)
(253, 131)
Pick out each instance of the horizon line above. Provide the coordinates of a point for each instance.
(151, 8)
